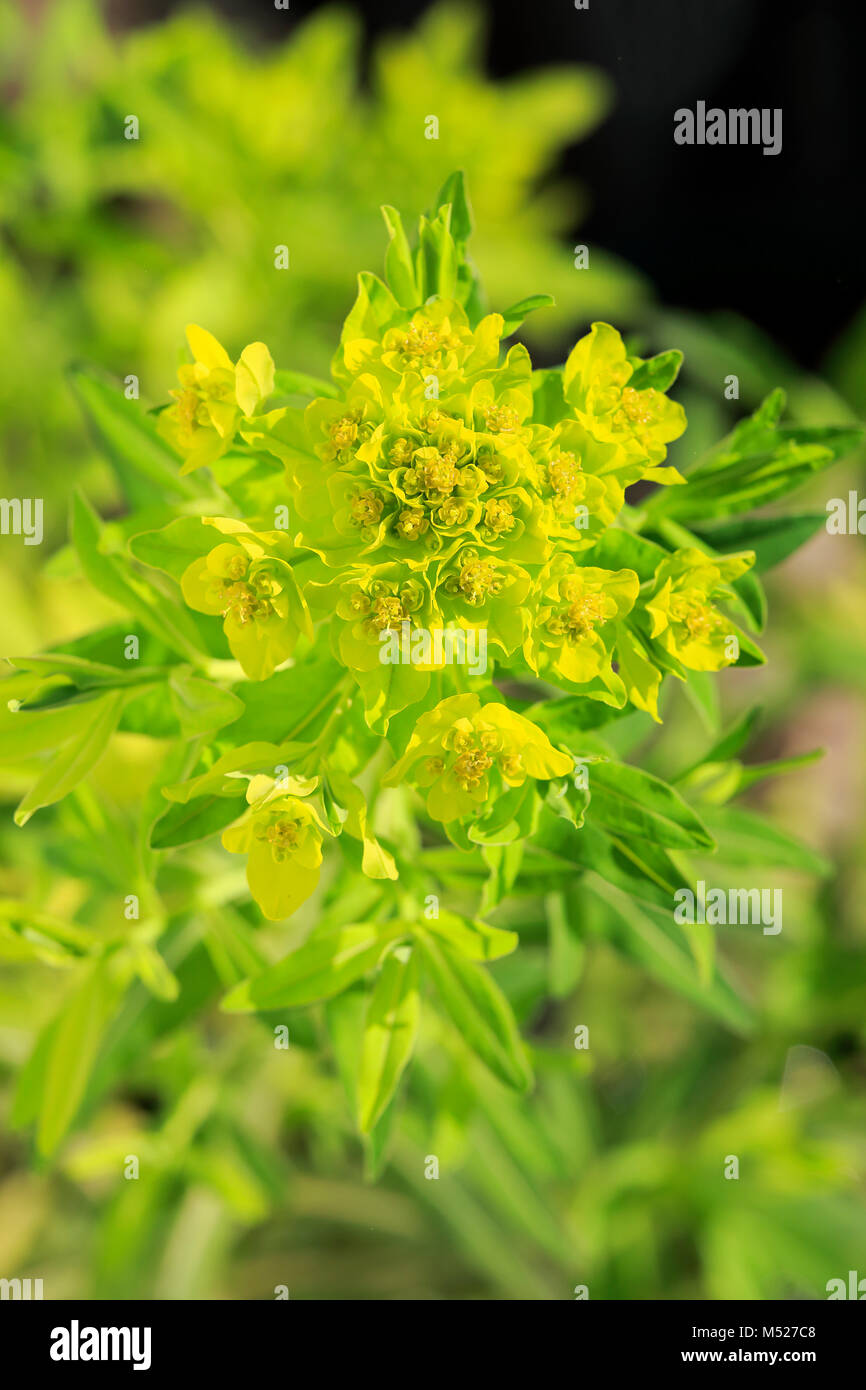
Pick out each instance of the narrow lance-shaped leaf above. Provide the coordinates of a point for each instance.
(146, 469)
(325, 965)
(514, 316)
(71, 1053)
(389, 1034)
(75, 758)
(165, 620)
(399, 270)
(629, 801)
(479, 1011)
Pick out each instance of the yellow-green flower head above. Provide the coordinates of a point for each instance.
(339, 427)
(581, 481)
(435, 340)
(683, 618)
(499, 406)
(282, 838)
(642, 422)
(417, 484)
(572, 626)
(374, 602)
(478, 589)
(465, 754)
(245, 580)
(376, 612)
(214, 396)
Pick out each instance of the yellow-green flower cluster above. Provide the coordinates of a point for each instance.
(447, 486)
(465, 755)
(441, 487)
(247, 580)
(281, 834)
(213, 397)
(683, 617)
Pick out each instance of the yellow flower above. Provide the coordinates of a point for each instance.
(643, 422)
(465, 755)
(213, 397)
(282, 838)
(683, 618)
(246, 581)
(572, 628)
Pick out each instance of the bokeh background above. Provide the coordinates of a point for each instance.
(260, 127)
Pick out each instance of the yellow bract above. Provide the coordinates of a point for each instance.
(463, 753)
(214, 395)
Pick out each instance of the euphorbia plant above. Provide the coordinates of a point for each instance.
(286, 610)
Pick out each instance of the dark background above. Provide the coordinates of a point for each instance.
(775, 238)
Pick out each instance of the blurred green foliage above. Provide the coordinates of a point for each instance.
(110, 242)
(611, 1173)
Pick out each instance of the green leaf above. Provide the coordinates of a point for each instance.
(721, 782)
(566, 949)
(346, 805)
(649, 936)
(71, 1053)
(75, 758)
(473, 938)
(745, 838)
(618, 549)
(201, 706)
(504, 862)
(399, 269)
(436, 257)
(221, 779)
(640, 675)
(729, 744)
(628, 801)
(154, 973)
(453, 193)
(772, 538)
(374, 309)
(172, 548)
(702, 691)
(568, 800)
(146, 468)
(479, 1010)
(758, 463)
(522, 309)
(344, 1019)
(327, 963)
(659, 372)
(288, 383)
(291, 703)
(376, 861)
(751, 773)
(26, 732)
(159, 615)
(566, 718)
(390, 1031)
(751, 593)
(84, 674)
(205, 816)
(549, 404)
(28, 934)
(640, 868)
